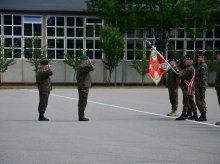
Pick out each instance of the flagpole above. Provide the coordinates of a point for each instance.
(155, 49)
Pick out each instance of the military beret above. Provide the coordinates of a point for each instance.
(83, 57)
(171, 59)
(188, 57)
(202, 54)
(44, 62)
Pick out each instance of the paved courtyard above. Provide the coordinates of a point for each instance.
(126, 126)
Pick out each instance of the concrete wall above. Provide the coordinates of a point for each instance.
(22, 72)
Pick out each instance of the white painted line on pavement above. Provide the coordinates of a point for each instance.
(130, 109)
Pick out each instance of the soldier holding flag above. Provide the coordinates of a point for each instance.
(187, 79)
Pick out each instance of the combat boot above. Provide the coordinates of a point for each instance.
(217, 123)
(173, 113)
(42, 118)
(83, 119)
(182, 117)
(202, 117)
(194, 117)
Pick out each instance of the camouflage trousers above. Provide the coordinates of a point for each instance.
(83, 96)
(200, 99)
(173, 96)
(43, 101)
(188, 103)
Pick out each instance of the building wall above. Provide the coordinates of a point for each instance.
(23, 72)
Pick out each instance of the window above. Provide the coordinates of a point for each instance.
(32, 26)
(72, 35)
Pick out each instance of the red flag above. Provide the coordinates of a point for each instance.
(157, 66)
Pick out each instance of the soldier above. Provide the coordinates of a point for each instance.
(187, 77)
(44, 87)
(200, 85)
(172, 85)
(83, 83)
(217, 80)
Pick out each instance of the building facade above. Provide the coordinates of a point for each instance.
(66, 26)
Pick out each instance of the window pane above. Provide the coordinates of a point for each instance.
(180, 33)
(70, 21)
(17, 42)
(90, 54)
(17, 31)
(97, 29)
(217, 32)
(8, 53)
(28, 29)
(130, 55)
(94, 20)
(97, 44)
(17, 20)
(89, 44)
(79, 44)
(60, 31)
(130, 44)
(79, 22)
(79, 32)
(60, 54)
(209, 44)
(70, 32)
(89, 31)
(60, 21)
(60, 43)
(28, 43)
(217, 45)
(51, 54)
(209, 34)
(17, 53)
(7, 30)
(190, 45)
(70, 43)
(98, 54)
(37, 29)
(32, 19)
(51, 31)
(8, 42)
(37, 43)
(50, 21)
(7, 20)
(199, 45)
(51, 43)
(179, 45)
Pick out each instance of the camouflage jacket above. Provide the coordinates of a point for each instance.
(83, 76)
(187, 74)
(173, 78)
(43, 80)
(217, 79)
(201, 75)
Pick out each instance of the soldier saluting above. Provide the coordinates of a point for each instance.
(44, 87)
(83, 83)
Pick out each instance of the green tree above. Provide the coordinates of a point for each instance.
(112, 44)
(140, 64)
(157, 16)
(73, 61)
(34, 55)
(4, 62)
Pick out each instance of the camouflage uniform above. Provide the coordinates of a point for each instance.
(188, 99)
(44, 87)
(172, 85)
(200, 88)
(84, 83)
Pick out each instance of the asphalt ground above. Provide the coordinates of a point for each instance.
(126, 126)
